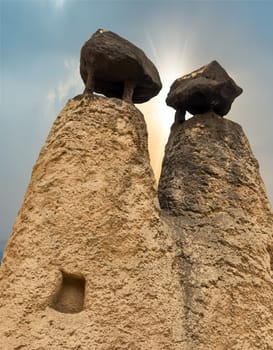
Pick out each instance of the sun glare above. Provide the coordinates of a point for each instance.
(158, 115)
(169, 52)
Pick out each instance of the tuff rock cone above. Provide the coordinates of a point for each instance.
(211, 193)
(89, 264)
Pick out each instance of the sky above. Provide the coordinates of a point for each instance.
(39, 67)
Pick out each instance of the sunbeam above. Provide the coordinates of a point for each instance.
(171, 63)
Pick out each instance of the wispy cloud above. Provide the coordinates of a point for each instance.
(59, 4)
(68, 87)
(73, 83)
(51, 96)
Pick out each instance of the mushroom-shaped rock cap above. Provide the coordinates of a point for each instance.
(208, 88)
(113, 66)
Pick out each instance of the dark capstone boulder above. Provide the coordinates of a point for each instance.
(114, 67)
(208, 88)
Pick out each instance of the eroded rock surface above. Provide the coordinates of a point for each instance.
(211, 192)
(90, 265)
(208, 88)
(114, 67)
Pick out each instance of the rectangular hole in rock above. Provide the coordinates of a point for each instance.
(70, 297)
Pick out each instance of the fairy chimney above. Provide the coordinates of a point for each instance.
(93, 263)
(211, 193)
(89, 264)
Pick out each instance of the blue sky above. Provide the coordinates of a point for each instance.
(40, 47)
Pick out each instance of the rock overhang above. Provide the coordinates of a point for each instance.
(112, 62)
(208, 88)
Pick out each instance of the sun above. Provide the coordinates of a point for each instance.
(159, 117)
(169, 52)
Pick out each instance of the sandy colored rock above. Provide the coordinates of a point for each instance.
(92, 264)
(89, 264)
(212, 194)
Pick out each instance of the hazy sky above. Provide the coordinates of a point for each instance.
(40, 47)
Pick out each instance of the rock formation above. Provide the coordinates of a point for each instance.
(211, 193)
(114, 67)
(208, 88)
(92, 262)
(89, 264)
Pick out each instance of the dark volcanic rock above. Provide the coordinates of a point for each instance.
(113, 66)
(208, 88)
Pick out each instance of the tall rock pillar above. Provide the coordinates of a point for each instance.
(89, 264)
(211, 193)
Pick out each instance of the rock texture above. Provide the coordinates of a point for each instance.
(114, 67)
(208, 88)
(211, 193)
(89, 264)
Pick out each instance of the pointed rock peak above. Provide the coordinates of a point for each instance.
(211, 191)
(208, 88)
(89, 261)
(114, 67)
